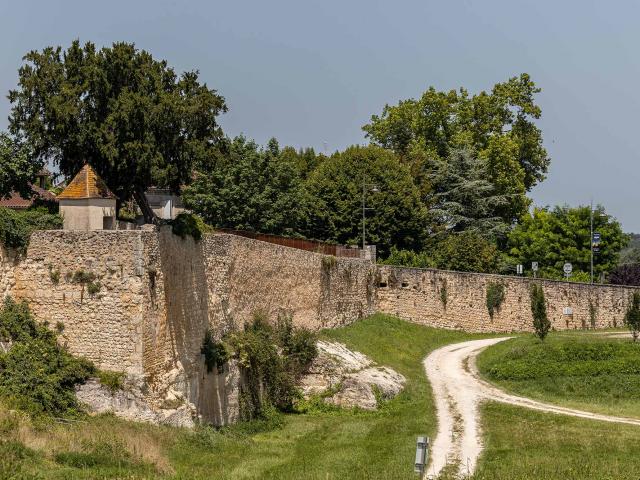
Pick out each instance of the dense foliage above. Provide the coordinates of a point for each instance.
(463, 252)
(632, 316)
(190, 224)
(16, 226)
(36, 373)
(396, 216)
(249, 188)
(498, 126)
(462, 198)
(541, 323)
(495, 297)
(555, 236)
(17, 169)
(273, 358)
(625, 274)
(131, 117)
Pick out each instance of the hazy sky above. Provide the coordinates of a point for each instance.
(310, 72)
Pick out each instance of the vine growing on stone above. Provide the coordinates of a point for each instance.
(272, 359)
(495, 297)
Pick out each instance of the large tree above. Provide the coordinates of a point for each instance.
(497, 125)
(131, 117)
(397, 216)
(18, 169)
(249, 188)
(463, 199)
(552, 237)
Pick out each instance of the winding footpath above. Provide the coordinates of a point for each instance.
(458, 390)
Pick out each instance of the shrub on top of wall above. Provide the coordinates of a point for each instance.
(189, 224)
(16, 226)
(495, 297)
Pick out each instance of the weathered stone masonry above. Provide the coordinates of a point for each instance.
(158, 294)
(456, 300)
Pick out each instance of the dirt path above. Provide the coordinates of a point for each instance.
(458, 390)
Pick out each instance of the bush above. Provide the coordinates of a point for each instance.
(36, 374)
(272, 359)
(408, 258)
(16, 227)
(114, 381)
(215, 353)
(541, 323)
(189, 224)
(628, 274)
(632, 317)
(495, 297)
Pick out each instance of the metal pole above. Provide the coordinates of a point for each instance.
(591, 238)
(364, 186)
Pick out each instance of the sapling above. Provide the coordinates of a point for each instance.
(632, 317)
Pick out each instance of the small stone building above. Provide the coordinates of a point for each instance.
(87, 204)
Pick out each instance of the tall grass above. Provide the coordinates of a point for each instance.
(584, 371)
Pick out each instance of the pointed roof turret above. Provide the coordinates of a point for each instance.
(86, 184)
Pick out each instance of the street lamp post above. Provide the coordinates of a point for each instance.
(373, 188)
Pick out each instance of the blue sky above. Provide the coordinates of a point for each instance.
(310, 72)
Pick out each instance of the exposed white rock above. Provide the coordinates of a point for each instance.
(129, 403)
(356, 379)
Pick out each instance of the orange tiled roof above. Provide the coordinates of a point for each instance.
(16, 201)
(86, 184)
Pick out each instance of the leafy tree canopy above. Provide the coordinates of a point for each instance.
(497, 125)
(397, 216)
(462, 199)
(249, 188)
(462, 252)
(553, 237)
(17, 168)
(131, 117)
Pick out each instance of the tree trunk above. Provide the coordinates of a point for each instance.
(141, 200)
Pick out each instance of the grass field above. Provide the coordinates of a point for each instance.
(322, 445)
(522, 444)
(579, 370)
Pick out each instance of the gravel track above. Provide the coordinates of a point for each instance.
(458, 390)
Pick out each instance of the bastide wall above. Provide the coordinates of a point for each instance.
(157, 294)
(458, 300)
(154, 295)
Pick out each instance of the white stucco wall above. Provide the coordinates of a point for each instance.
(86, 214)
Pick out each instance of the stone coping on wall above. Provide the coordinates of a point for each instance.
(510, 277)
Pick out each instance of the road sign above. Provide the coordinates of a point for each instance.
(595, 242)
(568, 268)
(534, 266)
(519, 269)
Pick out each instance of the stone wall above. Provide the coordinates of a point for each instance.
(105, 326)
(157, 294)
(317, 291)
(457, 300)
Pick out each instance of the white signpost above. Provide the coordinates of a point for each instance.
(519, 269)
(534, 268)
(568, 268)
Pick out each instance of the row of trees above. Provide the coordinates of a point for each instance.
(452, 170)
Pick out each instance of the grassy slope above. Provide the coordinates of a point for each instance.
(578, 370)
(522, 444)
(330, 445)
(349, 445)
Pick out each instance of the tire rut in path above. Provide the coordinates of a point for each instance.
(458, 390)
